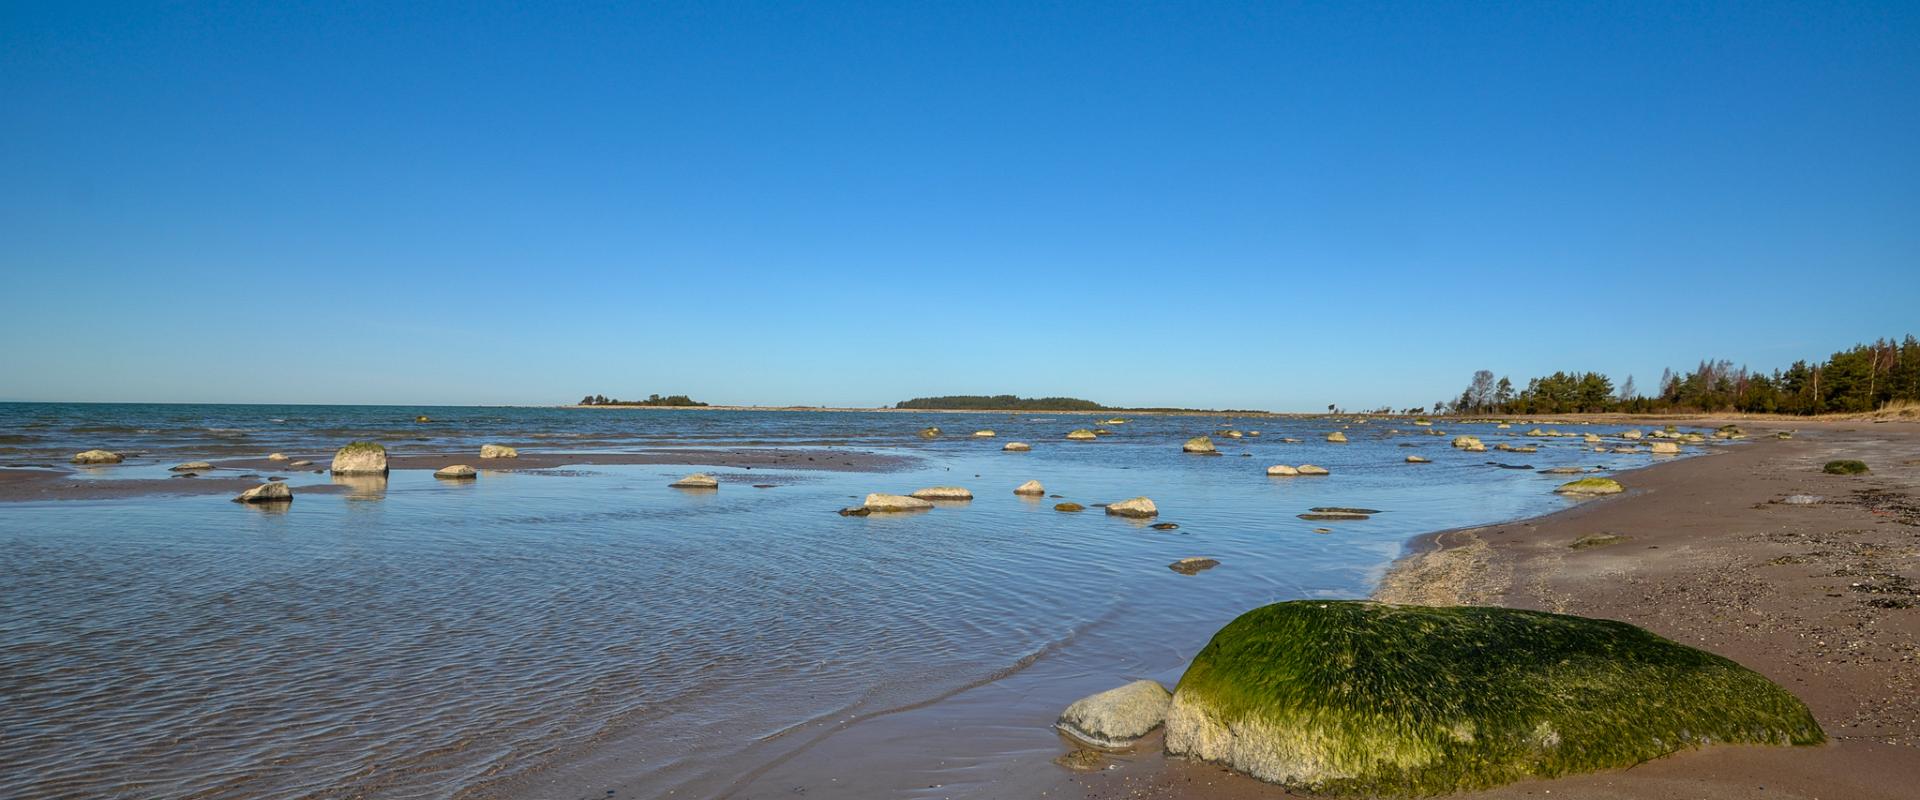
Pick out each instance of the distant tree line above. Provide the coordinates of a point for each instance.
(1862, 378)
(677, 400)
(1000, 402)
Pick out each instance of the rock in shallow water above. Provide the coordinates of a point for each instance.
(889, 503)
(498, 451)
(191, 466)
(97, 457)
(1591, 486)
(1139, 507)
(1193, 566)
(360, 458)
(942, 493)
(1069, 507)
(1358, 698)
(1198, 444)
(1030, 487)
(698, 480)
(1017, 447)
(266, 493)
(456, 472)
(1116, 718)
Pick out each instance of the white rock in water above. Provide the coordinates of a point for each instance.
(1666, 449)
(97, 457)
(1309, 469)
(1470, 443)
(266, 493)
(1337, 437)
(1117, 718)
(1417, 460)
(1633, 434)
(456, 472)
(360, 458)
(498, 451)
(1282, 470)
(1138, 507)
(1030, 487)
(942, 493)
(1198, 444)
(894, 502)
(1082, 435)
(1017, 447)
(191, 466)
(698, 480)
(277, 457)
(985, 434)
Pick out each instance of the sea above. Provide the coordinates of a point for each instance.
(588, 631)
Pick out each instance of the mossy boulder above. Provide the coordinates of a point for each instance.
(360, 458)
(1360, 698)
(1845, 467)
(1591, 486)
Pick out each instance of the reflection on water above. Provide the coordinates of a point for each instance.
(540, 633)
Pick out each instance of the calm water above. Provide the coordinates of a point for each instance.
(559, 633)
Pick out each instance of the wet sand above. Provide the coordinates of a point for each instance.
(1823, 599)
(58, 482)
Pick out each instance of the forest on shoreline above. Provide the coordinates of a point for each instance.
(1862, 378)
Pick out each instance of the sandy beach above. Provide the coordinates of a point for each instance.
(1817, 597)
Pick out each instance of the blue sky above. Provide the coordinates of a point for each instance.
(1272, 206)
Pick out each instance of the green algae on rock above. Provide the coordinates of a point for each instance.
(1361, 698)
(1845, 467)
(1591, 486)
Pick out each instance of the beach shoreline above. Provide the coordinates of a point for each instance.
(1817, 597)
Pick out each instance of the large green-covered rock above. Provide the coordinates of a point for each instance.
(1375, 699)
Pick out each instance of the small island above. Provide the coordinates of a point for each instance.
(654, 400)
(998, 402)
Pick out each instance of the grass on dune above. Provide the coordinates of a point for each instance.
(1360, 698)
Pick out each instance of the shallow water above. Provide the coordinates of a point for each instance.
(557, 632)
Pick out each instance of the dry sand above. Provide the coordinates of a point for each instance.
(1824, 599)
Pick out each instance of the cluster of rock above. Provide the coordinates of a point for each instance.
(498, 451)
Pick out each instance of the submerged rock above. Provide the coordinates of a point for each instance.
(929, 433)
(1198, 444)
(498, 451)
(1328, 516)
(1193, 566)
(266, 493)
(1591, 486)
(1030, 487)
(1359, 698)
(1139, 507)
(1069, 508)
(97, 457)
(942, 493)
(191, 466)
(890, 503)
(1116, 718)
(360, 458)
(698, 480)
(456, 472)
(1164, 526)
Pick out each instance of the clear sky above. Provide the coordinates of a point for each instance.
(1271, 206)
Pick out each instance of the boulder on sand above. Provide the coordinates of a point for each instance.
(1017, 447)
(1138, 508)
(942, 493)
(698, 480)
(1030, 487)
(266, 493)
(1368, 699)
(1591, 486)
(97, 457)
(1281, 471)
(887, 503)
(1116, 718)
(456, 472)
(1198, 444)
(360, 458)
(498, 451)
